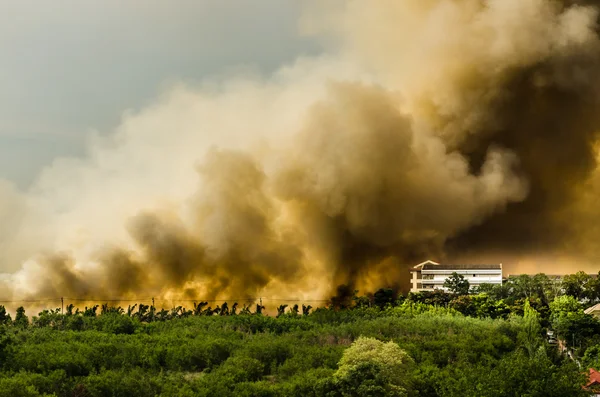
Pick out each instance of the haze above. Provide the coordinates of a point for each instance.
(72, 67)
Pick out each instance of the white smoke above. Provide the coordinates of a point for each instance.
(307, 178)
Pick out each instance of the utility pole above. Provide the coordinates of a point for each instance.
(62, 305)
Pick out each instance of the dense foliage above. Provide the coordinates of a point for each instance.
(491, 342)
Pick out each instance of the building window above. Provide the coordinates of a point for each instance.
(428, 277)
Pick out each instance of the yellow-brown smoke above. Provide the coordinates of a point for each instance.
(457, 129)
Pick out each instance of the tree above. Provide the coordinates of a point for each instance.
(480, 305)
(494, 291)
(246, 310)
(516, 374)
(437, 297)
(295, 310)
(365, 380)
(306, 310)
(91, 311)
(21, 318)
(383, 297)
(457, 284)
(5, 341)
(565, 304)
(570, 321)
(575, 285)
(531, 331)
(4, 316)
(373, 359)
(546, 288)
(199, 308)
(593, 289)
(464, 304)
(591, 358)
(224, 309)
(281, 310)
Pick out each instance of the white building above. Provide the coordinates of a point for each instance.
(430, 275)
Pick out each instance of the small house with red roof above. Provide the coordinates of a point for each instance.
(593, 384)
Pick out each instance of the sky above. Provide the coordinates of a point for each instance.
(331, 166)
(71, 68)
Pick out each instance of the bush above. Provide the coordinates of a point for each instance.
(130, 383)
(114, 323)
(372, 366)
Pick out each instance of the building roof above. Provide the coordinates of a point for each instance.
(593, 309)
(462, 267)
(431, 265)
(594, 379)
(427, 262)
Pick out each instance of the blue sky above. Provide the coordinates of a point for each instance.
(70, 66)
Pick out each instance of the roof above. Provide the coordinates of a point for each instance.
(593, 309)
(462, 267)
(431, 265)
(594, 379)
(427, 262)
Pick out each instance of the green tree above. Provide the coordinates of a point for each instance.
(437, 297)
(521, 286)
(390, 363)
(546, 288)
(4, 316)
(457, 284)
(480, 305)
(366, 380)
(21, 318)
(591, 358)
(383, 297)
(571, 323)
(5, 343)
(464, 304)
(565, 304)
(575, 285)
(530, 335)
(514, 375)
(593, 289)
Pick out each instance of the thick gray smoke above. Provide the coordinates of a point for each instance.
(452, 129)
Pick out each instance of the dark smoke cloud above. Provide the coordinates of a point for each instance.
(462, 130)
(520, 75)
(380, 190)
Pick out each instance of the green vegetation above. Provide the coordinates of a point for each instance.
(457, 284)
(489, 343)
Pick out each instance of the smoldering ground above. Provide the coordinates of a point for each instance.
(437, 128)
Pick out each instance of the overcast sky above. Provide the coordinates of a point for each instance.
(71, 66)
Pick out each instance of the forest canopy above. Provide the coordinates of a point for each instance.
(489, 342)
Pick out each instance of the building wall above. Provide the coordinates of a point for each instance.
(427, 280)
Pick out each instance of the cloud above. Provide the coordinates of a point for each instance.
(404, 142)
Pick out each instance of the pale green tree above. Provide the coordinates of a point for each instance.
(392, 364)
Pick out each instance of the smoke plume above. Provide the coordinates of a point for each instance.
(432, 128)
